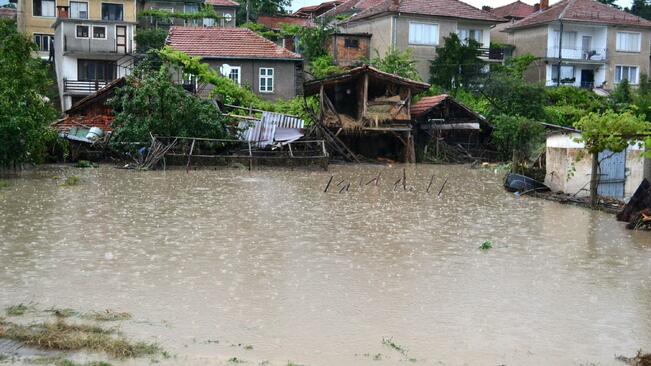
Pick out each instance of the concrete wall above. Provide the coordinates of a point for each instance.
(66, 33)
(381, 28)
(640, 59)
(569, 166)
(498, 36)
(286, 76)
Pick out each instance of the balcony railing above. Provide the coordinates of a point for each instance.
(597, 55)
(83, 87)
(493, 54)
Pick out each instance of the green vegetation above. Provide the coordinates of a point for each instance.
(150, 39)
(252, 9)
(85, 164)
(486, 245)
(106, 316)
(20, 309)
(25, 114)
(63, 336)
(205, 12)
(71, 181)
(4, 184)
(457, 63)
(323, 66)
(61, 361)
(397, 63)
(393, 345)
(516, 137)
(151, 103)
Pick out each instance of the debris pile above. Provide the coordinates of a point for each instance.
(637, 213)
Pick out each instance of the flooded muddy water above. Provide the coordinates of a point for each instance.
(209, 262)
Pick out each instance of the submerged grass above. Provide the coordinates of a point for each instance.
(71, 181)
(64, 336)
(4, 184)
(393, 345)
(486, 245)
(19, 309)
(61, 361)
(106, 316)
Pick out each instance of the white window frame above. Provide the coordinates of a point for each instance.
(266, 77)
(50, 41)
(619, 48)
(92, 34)
(479, 31)
(637, 74)
(193, 22)
(54, 15)
(90, 31)
(239, 74)
(414, 42)
(79, 2)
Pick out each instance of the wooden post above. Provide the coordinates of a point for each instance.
(187, 166)
(410, 149)
(594, 181)
(321, 102)
(250, 157)
(364, 96)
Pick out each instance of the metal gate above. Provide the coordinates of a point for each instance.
(613, 174)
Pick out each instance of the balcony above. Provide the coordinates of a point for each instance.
(599, 55)
(83, 86)
(491, 54)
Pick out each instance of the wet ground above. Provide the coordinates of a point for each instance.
(211, 262)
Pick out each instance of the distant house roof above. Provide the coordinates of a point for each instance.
(8, 13)
(222, 3)
(586, 11)
(313, 87)
(514, 10)
(426, 104)
(316, 10)
(442, 8)
(236, 43)
(276, 22)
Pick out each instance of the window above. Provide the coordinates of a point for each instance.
(569, 39)
(567, 73)
(99, 32)
(629, 73)
(236, 75)
(78, 10)
(43, 41)
(191, 9)
(208, 22)
(266, 80)
(351, 43)
(475, 34)
(91, 70)
(82, 31)
(112, 11)
(628, 42)
(423, 34)
(43, 8)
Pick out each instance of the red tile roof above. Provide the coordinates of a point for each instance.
(102, 121)
(517, 10)
(275, 22)
(426, 103)
(222, 3)
(238, 43)
(8, 13)
(442, 8)
(587, 11)
(319, 9)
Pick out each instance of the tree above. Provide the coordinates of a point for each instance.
(611, 131)
(641, 8)
(397, 63)
(612, 3)
(150, 39)
(252, 9)
(324, 66)
(621, 97)
(312, 40)
(457, 63)
(25, 114)
(513, 96)
(152, 103)
(516, 137)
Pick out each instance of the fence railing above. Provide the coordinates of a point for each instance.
(568, 53)
(83, 86)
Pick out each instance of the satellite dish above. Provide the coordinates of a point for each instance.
(225, 70)
(228, 17)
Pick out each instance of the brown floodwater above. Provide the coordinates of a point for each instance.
(211, 261)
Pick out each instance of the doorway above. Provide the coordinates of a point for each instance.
(587, 79)
(121, 39)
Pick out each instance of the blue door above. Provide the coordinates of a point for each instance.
(613, 174)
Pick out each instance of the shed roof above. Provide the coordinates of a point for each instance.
(99, 96)
(320, 8)
(587, 11)
(441, 8)
(239, 43)
(313, 87)
(426, 104)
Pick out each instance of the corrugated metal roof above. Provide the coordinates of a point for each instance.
(262, 132)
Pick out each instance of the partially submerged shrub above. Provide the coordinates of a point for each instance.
(72, 180)
(85, 164)
(64, 336)
(106, 316)
(18, 310)
(4, 184)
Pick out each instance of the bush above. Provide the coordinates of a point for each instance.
(148, 39)
(324, 66)
(397, 63)
(516, 136)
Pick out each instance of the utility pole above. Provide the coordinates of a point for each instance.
(560, 54)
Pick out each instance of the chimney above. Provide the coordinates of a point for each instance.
(544, 4)
(62, 12)
(536, 8)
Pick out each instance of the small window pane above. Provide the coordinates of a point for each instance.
(99, 32)
(82, 31)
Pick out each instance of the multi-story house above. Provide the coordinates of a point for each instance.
(512, 12)
(418, 25)
(226, 9)
(583, 43)
(93, 45)
(35, 18)
(250, 60)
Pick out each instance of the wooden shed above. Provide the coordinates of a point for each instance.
(369, 110)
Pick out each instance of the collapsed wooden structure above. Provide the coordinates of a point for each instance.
(454, 132)
(368, 111)
(637, 212)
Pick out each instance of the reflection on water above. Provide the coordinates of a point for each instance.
(265, 258)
